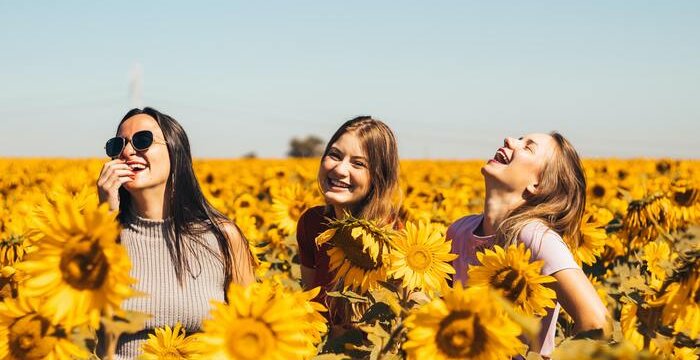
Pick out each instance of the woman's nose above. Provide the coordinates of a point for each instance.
(509, 142)
(341, 168)
(128, 150)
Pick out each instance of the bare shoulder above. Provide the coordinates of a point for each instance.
(239, 244)
(231, 231)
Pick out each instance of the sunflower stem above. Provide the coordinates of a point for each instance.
(110, 339)
(392, 338)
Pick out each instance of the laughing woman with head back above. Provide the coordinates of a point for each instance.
(535, 195)
(184, 252)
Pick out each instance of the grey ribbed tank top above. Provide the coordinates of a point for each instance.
(146, 241)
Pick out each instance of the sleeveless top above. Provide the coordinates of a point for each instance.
(146, 242)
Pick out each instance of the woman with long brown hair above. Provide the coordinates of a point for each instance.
(358, 175)
(184, 253)
(535, 195)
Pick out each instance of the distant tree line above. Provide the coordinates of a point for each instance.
(310, 146)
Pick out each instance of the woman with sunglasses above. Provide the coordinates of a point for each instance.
(184, 252)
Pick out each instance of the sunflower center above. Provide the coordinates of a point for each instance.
(419, 259)
(685, 198)
(511, 282)
(253, 339)
(598, 191)
(354, 252)
(460, 335)
(28, 338)
(84, 265)
(663, 167)
(170, 354)
(296, 210)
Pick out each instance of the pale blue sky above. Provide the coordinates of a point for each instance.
(452, 78)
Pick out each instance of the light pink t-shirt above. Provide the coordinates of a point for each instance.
(545, 245)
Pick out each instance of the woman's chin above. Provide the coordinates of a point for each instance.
(335, 199)
(136, 184)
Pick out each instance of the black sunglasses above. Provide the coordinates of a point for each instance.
(141, 141)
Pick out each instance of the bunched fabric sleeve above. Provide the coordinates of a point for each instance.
(548, 246)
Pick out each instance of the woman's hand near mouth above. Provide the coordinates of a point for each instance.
(113, 175)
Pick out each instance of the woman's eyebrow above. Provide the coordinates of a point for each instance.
(528, 141)
(359, 157)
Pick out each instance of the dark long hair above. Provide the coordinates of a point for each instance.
(190, 211)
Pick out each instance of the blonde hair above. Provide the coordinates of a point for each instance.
(383, 200)
(559, 202)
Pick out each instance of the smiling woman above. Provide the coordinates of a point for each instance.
(183, 251)
(359, 176)
(534, 200)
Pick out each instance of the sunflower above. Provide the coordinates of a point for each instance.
(170, 344)
(12, 250)
(247, 226)
(421, 258)
(78, 265)
(27, 332)
(614, 248)
(515, 277)
(466, 323)
(588, 349)
(647, 218)
(16, 217)
(359, 252)
(685, 198)
(628, 323)
(688, 321)
(315, 320)
(262, 321)
(658, 258)
(600, 190)
(680, 302)
(288, 204)
(593, 235)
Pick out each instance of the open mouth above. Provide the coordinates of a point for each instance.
(337, 184)
(501, 157)
(137, 167)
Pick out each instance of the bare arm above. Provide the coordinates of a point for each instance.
(243, 269)
(579, 298)
(574, 292)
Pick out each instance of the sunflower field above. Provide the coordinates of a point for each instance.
(63, 274)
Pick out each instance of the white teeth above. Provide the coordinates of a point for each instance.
(137, 166)
(498, 157)
(501, 158)
(338, 183)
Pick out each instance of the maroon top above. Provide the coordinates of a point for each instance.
(311, 224)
